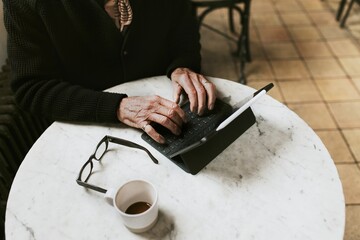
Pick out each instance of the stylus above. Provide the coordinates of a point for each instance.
(194, 145)
(239, 104)
(239, 111)
(266, 88)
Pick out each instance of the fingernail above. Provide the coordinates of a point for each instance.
(193, 109)
(162, 140)
(211, 107)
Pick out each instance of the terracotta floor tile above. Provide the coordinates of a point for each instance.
(254, 36)
(209, 53)
(326, 67)
(280, 50)
(257, 51)
(344, 47)
(352, 136)
(321, 18)
(295, 18)
(337, 89)
(299, 91)
(356, 81)
(262, 6)
(351, 65)
(299, 33)
(352, 229)
(315, 114)
(336, 145)
(313, 49)
(222, 71)
(289, 69)
(259, 70)
(287, 5)
(333, 32)
(215, 19)
(219, 65)
(350, 179)
(347, 114)
(273, 34)
(267, 19)
(354, 29)
(274, 92)
(312, 5)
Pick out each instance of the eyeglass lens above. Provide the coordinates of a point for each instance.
(86, 171)
(100, 150)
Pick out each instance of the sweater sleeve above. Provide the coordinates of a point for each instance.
(185, 39)
(38, 78)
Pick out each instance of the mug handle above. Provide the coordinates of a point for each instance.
(109, 196)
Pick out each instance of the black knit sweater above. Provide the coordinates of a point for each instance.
(63, 53)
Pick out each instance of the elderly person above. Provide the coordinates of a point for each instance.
(63, 53)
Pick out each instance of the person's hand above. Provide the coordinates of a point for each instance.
(201, 92)
(139, 112)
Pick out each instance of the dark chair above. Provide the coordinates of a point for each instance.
(243, 48)
(341, 9)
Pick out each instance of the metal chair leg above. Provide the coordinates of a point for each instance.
(244, 46)
(340, 9)
(231, 19)
(342, 24)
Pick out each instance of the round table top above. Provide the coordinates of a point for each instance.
(276, 181)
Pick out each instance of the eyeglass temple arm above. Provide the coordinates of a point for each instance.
(132, 145)
(90, 186)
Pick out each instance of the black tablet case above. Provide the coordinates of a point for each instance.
(196, 159)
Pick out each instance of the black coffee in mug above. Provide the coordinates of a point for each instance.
(138, 207)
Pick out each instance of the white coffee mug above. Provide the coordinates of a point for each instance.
(137, 203)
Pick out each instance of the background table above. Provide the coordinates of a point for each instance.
(277, 181)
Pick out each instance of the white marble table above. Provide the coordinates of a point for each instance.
(277, 181)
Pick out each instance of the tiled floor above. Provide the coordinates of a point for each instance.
(315, 64)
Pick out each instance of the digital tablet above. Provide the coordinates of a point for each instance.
(200, 129)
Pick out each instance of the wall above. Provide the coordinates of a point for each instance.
(3, 52)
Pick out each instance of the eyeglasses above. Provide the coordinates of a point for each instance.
(101, 148)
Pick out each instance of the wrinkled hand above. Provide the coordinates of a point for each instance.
(139, 112)
(201, 92)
